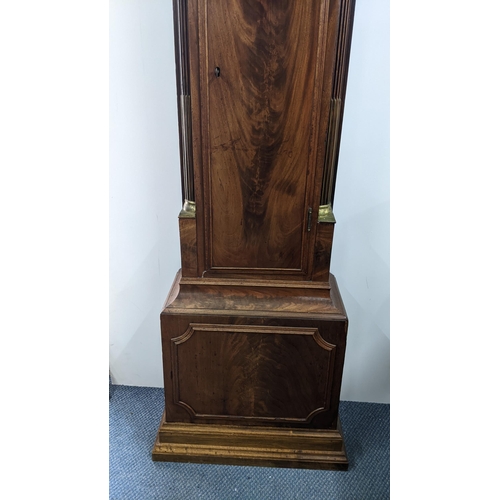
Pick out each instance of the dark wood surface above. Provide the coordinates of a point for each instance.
(323, 252)
(283, 299)
(189, 253)
(258, 147)
(259, 131)
(254, 330)
(232, 360)
(258, 120)
(253, 374)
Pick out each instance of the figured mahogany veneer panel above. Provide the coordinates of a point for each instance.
(258, 125)
(323, 251)
(187, 234)
(259, 373)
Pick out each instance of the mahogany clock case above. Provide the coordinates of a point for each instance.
(254, 329)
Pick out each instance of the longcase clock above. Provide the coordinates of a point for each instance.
(254, 329)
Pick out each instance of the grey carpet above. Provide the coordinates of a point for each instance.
(135, 413)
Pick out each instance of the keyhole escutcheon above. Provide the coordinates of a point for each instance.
(217, 71)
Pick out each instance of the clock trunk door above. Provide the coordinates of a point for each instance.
(258, 116)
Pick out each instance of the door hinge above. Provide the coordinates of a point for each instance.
(309, 218)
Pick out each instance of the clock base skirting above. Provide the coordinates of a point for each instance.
(253, 373)
(256, 446)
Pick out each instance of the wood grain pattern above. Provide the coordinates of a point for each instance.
(268, 447)
(230, 361)
(206, 376)
(323, 251)
(274, 297)
(259, 130)
(189, 254)
(241, 372)
(259, 120)
(254, 330)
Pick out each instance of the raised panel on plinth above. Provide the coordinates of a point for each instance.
(257, 373)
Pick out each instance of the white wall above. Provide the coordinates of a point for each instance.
(145, 195)
(360, 257)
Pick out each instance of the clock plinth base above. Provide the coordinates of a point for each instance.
(252, 373)
(258, 446)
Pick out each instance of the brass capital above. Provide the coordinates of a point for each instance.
(326, 214)
(188, 210)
